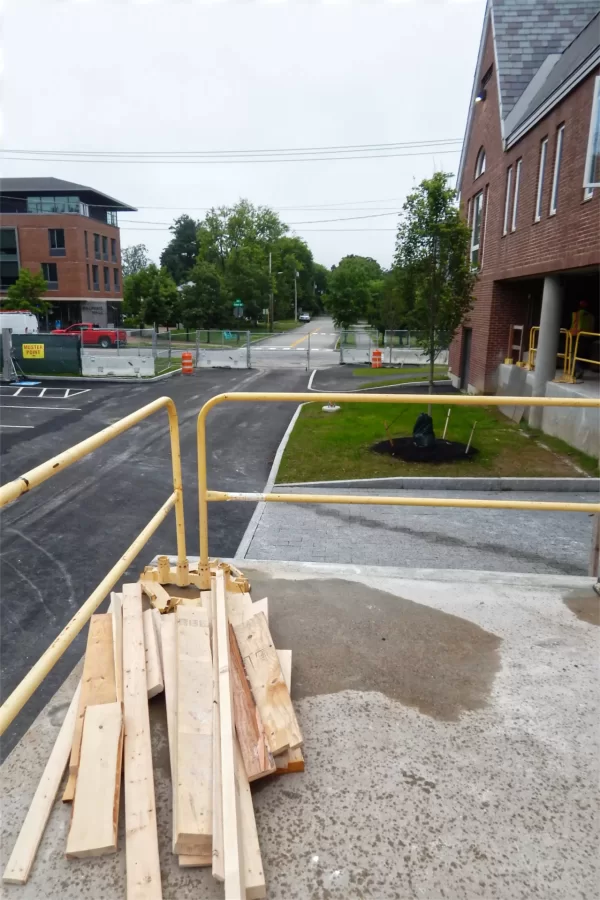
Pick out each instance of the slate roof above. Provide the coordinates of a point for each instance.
(576, 53)
(527, 31)
(58, 186)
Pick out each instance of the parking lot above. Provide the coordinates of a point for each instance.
(28, 408)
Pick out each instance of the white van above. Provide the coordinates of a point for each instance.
(21, 321)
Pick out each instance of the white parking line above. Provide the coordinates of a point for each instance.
(68, 408)
(40, 393)
(2, 425)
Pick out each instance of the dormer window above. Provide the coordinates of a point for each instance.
(480, 163)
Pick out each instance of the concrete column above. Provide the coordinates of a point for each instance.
(548, 338)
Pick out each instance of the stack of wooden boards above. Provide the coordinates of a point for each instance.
(230, 721)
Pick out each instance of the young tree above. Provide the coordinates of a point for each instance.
(350, 289)
(432, 253)
(151, 296)
(320, 278)
(179, 255)
(203, 303)
(134, 259)
(27, 293)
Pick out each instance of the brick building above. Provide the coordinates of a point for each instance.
(529, 148)
(70, 232)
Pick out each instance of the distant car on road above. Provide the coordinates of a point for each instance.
(93, 335)
(304, 317)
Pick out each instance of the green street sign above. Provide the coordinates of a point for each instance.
(237, 303)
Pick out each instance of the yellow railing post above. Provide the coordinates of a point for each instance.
(183, 576)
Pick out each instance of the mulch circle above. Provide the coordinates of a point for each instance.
(443, 451)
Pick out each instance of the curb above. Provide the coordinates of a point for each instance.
(568, 485)
(253, 524)
(92, 379)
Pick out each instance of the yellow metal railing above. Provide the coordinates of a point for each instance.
(15, 489)
(566, 356)
(575, 358)
(205, 496)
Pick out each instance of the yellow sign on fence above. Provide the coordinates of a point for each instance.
(33, 351)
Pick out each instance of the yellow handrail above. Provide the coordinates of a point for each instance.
(575, 359)
(566, 356)
(15, 489)
(205, 496)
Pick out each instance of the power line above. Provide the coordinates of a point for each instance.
(218, 162)
(345, 148)
(305, 222)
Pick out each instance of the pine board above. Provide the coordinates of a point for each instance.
(258, 760)
(254, 876)
(268, 684)
(156, 593)
(232, 837)
(116, 608)
(168, 647)
(154, 676)
(194, 732)
(97, 685)
(289, 760)
(94, 822)
(26, 846)
(218, 861)
(141, 845)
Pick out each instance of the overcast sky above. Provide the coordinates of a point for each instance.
(140, 76)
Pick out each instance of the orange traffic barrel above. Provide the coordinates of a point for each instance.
(187, 366)
(376, 359)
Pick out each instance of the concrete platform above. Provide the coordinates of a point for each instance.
(450, 721)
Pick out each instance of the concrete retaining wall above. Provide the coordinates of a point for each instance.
(578, 427)
(222, 359)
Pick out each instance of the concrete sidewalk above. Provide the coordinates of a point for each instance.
(486, 539)
(451, 744)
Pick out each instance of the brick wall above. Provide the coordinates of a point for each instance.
(562, 242)
(71, 268)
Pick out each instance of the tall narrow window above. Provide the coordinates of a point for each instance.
(507, 200)
(591, 178)
(56, 241)
(113, 249)
(480, 163)
(50, 273)
(476, 228)
(95, 278)
(513, 224)
(106, 278)
(117, 280)
(87, 268)
(540, 185)
(104, 247)
(555, 179)
(97, 246)
(85, 243)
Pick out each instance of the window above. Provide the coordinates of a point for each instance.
(9, 257)
(87, 269)
(50, 273)
(113, 249)
(117, 280)
(588, 193)
(480, 163)
(56, 241)
(95, 278)
(540, 185)
(111, 217)
(47, 204)
(104, 247)
(507, 200)
(476, 228)
(557, 157)
(591, 178)
(97, 246)
(85, 242)
(513, 224)
(106, 278)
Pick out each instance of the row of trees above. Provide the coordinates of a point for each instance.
(241, 253)
(429, 288)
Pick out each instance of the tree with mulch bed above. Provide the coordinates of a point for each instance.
(338, 445)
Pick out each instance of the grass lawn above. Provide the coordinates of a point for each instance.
(336, 445)
(382, 377)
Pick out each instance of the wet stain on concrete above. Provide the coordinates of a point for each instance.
(585, 604)
(347, 636)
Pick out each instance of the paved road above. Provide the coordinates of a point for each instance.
(292, 347)
(59, 541)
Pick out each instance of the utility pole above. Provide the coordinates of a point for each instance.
(295, 294)
(271, 310)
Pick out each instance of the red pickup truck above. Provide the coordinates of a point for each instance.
(91, 335)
